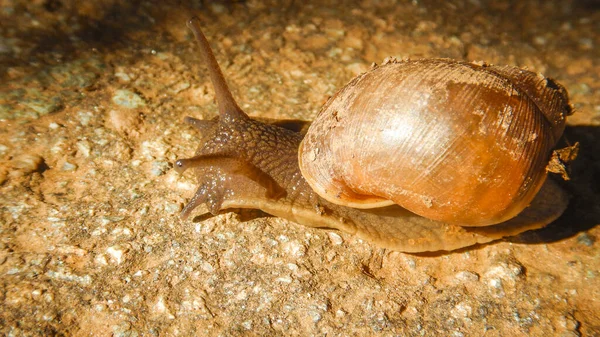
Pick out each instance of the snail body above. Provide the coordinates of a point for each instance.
(373, 145)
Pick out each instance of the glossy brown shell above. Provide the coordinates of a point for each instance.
(451, 141)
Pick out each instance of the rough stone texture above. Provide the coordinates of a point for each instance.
(92, 98)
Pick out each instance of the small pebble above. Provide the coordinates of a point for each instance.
(123, 76)
(461, 310)
(101, 260)
(67, 276)
(128, 99)
(411, 263)
(315, 316)
(160, 307)
(122, 231)
(294, 248)
(284, 279)
(335, 238)
(247, 325)
(83, 148)
(116, 253)
(159, 168)
(207, 267)
(586, 239)
(154, 149)
(506, 270)
(69, 166)
(59, 146)
(27, 163)
(84, 117)
(467, 276)
(123, 330)
(496, 287)
(180, 86)
(173, 208)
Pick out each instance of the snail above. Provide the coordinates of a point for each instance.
(414, 156)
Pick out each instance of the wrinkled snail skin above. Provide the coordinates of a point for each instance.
(245, 163)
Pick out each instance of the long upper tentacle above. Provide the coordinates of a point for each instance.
(228, 108)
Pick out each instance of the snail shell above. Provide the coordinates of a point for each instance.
(479, 136)
(451, 141)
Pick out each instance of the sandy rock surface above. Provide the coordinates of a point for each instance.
(92, 100)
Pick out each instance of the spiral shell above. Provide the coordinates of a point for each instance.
(452, 141)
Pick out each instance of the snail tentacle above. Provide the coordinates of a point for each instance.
(228, 108)
(232, 165)
(202, 125)
(199, 198)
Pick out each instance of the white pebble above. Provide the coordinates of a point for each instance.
(466, 276)
(315, 316)
(69, 166)
(84, 148)
(284, 279)
(116, 253)
(69, 249)
(27, 162)
(128, 99)
(123, 76)
(247, 325)
(161, 308)
(66, 276)
(242, 295)
(294, 248)
(59, 146)
(98, 231)
(207, 267)
(335, 238)
(159, 168)
(461, 310)
(173, 208)
(505, 271)
(85, 117)
(496, 287)
(154, 149)
(495, 283)
(121, 231)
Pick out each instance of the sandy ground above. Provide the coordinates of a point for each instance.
(92, 99)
